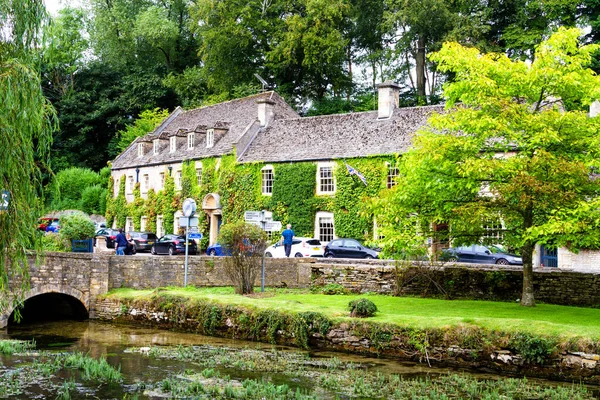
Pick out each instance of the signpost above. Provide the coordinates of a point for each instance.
(188, 220)
(264, 220)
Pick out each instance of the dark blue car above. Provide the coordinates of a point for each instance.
(216, 250)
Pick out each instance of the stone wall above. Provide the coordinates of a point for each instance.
(149, 272)
(551, 285)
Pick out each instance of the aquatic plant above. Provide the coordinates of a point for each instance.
(93, 369)
(15, 346)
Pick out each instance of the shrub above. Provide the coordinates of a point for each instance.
(533, 349)
(93, 199)
(247, 244)
(362, 308)
(334, 288)
(53, 242)
(76, 227)
(67, 186)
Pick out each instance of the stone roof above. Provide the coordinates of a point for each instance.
(233, 118)
(337, 136)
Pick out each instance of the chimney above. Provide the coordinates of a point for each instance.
(595, 109)
(388, 98)
(265, 111)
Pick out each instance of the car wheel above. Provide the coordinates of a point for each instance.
(329, 255)
(452, 259)
(153, 251)
(501, 261)
(212, 252)
(267, 254)
(368, 257)
(171, 251)
(298, 255)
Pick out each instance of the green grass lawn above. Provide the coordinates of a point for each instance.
(544, 319)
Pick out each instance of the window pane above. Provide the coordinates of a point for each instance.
(267, 181)
(326, 179)
(392, 175)
(326, 229)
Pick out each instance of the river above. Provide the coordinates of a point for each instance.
(115, 343)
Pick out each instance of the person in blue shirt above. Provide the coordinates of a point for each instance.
(121, 243)
(288, 237)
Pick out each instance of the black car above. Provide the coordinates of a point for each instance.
(348, 248)
(109, 234)
(143, 240)
(173, 244)
(479, 254)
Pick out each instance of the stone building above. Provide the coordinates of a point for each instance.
(264, 130)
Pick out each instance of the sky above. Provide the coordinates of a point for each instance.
(53, 6)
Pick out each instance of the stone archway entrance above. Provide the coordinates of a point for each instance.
(211, 204)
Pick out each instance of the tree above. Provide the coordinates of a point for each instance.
(246, 244)
(146, 123)
(515, 148)
(27, 121)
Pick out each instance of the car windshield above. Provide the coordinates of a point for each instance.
(496, 249)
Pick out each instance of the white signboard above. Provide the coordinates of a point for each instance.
(257, 223)
(253, 216)
(267, 216)
(4, 200)
(193, 229)
(273, 226)
(183, 221)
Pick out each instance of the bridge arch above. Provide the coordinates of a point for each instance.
(75, 298)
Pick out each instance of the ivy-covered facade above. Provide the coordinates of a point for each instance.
(256, 153)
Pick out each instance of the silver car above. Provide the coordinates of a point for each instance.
(479, 254)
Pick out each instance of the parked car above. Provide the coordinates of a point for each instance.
(43, 223)
(143, 240)
(479, 254)
(54, 226)
(349, 248)
(173, 244)
(217, 250)
(109, 234)
(301, 247)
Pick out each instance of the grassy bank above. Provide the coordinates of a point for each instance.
(567, 323)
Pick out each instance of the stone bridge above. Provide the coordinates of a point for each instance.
(70, 283)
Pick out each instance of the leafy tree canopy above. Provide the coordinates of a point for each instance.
(146, 123)
(514, 149)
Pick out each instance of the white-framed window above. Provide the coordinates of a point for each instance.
(155, 144)
(392, 174)
(145, 183)
(128, 224)
(199, 173)
(159, 226)
(325, 178)
(162, 180)
(210, 138)
(140, 149)
(143, 223)
(324, 227)
(190, 140)
(172, 144)
(178, 179)
(267, 180)
(493, 231)
(131, 184)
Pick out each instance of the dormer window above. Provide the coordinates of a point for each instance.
(190, 141)
(140, 149)
(210, 138)
(155, 146)
(172, 144)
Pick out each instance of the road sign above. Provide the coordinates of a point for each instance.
(272, 226)
(189, 207)
(253, 216)
(183, 221)
(195, 235)
(4, 200)
(267, 215)
(193, 229)
(257, 223)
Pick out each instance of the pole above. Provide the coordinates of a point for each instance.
(262, 279)
(187, 233)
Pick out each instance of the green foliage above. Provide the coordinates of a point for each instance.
(531, 158)
(76, 227)
(190, 86)
(93, 199)
(147, 121)
(28, 120)
(293, 194)
(66, 190)
(362, 308)
(533, 349)
(333, 288)
(53, 242)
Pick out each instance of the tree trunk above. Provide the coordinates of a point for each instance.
(420, 69)
(527, 297)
